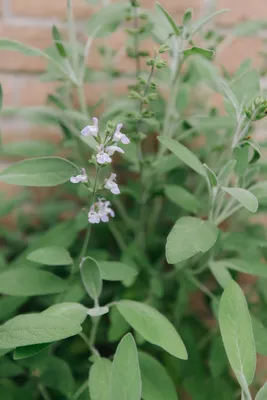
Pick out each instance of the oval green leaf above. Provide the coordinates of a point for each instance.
(181, 197)
(51, 256)
(26, 281)
(153, 326)
(237, 334)
(116, 271)
(188, 237)
(91, 277)
(184, 154)
(244, 197)
(28, 329)
(43, 171)
(125, 380)
(74, 311)
(99, 379)
(156, 383)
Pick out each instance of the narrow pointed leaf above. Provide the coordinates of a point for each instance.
(153, 326)
(237, 334)
(182, 197)
(156, 383)
(51, 256)
(244, 197)
(125, 381)
(99, 379)
(43, 171)
(172, 23)
(26, 281)
(262, 393)
(29, 329)
(91, 277)
(184, 154)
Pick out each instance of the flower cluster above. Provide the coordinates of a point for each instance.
(100, 211)
(105, 148)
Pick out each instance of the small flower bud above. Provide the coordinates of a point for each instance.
(135, 3)
(143, 16)
(151, 62)
(152, 96)
(257, 109)
(135, 95)
(161, 64)
(164, 48)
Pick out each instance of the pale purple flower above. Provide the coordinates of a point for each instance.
(119, 136)
(80, 178)
(111, 184)
(100, 211)
(91, 130)
(102, 156)
(111, 150)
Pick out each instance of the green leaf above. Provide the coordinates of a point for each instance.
(74, 311)
(26, 281)
(153, 326)
(200, 51)
(172, 23)
(118, 326)
(156, 383)
(249, 28)
(182, 197)
(43, 171)
(260, 335)
(29, 351)
(236, 330)
(51, 256)
(29, 148)
(218, 362)
(188, 15)
(99, 379)
(9, 369)
(199, 24)
(220, 273)
(211, 176)
(58, 375)
(252, 268)
(13, 45)
(28, 329)
(242, 157)
(91, 277)
(244, 197)
(125, 381)
(1, 97)
(107, 19)
(10, 304)
(188, 237)
(58, 42)
(184, 154)
(262, 393)
(116, 271)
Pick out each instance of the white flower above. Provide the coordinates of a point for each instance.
(91, 130)
(100, 211)
(111, 150)
(111, 184)
(119, 136)
(79, 178)
(102, 156)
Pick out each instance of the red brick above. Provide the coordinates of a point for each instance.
(238, 50)
(8, 84)
(38, 95)
(49, 8)
(242, 10)
(39, 37)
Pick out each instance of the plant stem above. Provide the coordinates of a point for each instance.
(202, 287)
(80, 391)
(95, 324)
(89, 229)
(43, 392)
(72, 34)
(136, 43)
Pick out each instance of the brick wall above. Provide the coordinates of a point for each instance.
(30, 22)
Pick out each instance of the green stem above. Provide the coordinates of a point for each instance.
(80, 391)
(43, 392)
(92, 339)
(117, 235)
(200, 286)
(72, 33)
